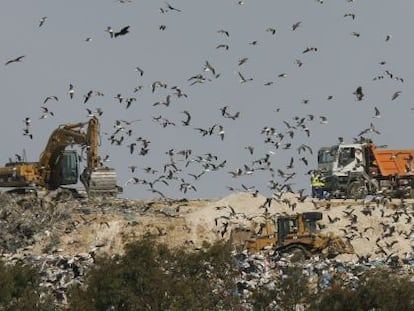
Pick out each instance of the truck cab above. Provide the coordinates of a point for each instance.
(338, 162)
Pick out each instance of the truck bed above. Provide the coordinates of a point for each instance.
(394, 162)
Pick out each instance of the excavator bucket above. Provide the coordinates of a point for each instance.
(100, 182)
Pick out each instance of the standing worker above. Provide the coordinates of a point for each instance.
(317, 185)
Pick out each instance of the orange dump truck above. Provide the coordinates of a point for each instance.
(356, 170)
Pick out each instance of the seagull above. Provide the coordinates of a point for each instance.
(208, 67)
(122, 32)
(46, 111)
(242, 60)
(224, 32)
(87, 96)
(42, 21)
(129, 101)
(139, 70)
(298, 62)
(50, 97)
(387, 38)
(250, 149)
(224, 110)
(377, 113)
(171, 7)
(71, 90)
(187, 121)
(395, 95)
(27, 121)
(110, 31)
(243, 79)
(310, 49)
(358, 93)
(369, 130)
(15, 60)
(221, 132)
(324, 120)
(119, 97)
(271, 30)
(222, 46)
(296, 25)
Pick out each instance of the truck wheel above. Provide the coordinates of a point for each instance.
(357, 190)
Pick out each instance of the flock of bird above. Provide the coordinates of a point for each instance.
(184, 168)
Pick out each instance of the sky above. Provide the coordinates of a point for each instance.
(196, 50)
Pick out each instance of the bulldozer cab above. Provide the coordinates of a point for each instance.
(296, 227)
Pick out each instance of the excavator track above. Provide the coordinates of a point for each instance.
(100, 182)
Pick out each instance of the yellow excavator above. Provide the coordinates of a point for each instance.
(59, 167)
(289, 233)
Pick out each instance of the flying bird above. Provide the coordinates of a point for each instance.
(310, 49)
(351, 15)
(243, 79)
(242, 60)
(224, 32)
(139, 70)
(359, 94)
(209, 67)
(71, 90)
(42, 21)
(395, 95)
(377, 113)
(169, 6)
(50, 97)
(187, 121)
(87, 96)
(296, 25)
(225, 46)
(122, 32)
(323, 120)
(110, 31)
(15, 60)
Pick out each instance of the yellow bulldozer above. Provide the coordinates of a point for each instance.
(288, 233)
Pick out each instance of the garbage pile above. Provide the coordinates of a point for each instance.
(60, 235)
(266, 270)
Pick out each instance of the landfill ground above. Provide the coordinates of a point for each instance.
(61, 235)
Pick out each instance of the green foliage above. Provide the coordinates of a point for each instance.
(152, 277)
(293, 289)
(378, 290)
(19, 289)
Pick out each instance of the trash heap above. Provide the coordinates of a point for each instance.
(267, 269)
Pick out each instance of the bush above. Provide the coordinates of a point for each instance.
(19, 289)
(152, 277)
(378, 290)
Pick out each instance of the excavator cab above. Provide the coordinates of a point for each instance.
(65, 170)
(70, 168)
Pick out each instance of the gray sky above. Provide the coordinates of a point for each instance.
(348, 55)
